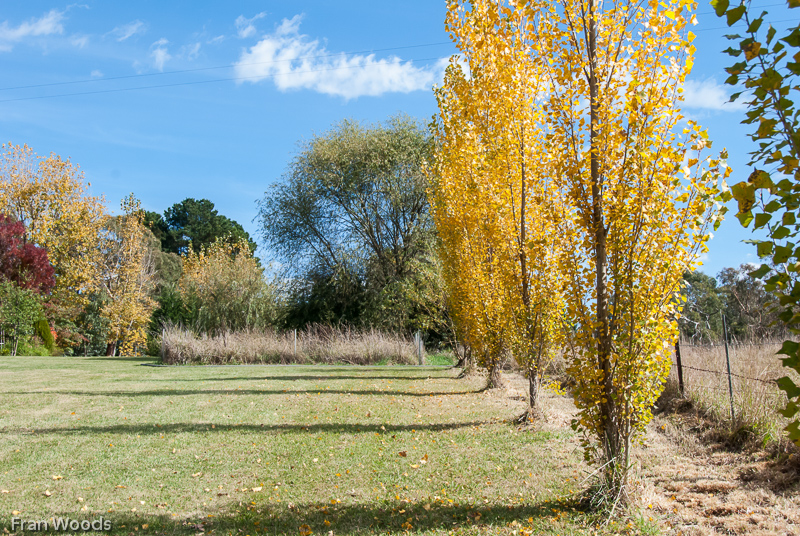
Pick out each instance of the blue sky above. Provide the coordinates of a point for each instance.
(257, 78)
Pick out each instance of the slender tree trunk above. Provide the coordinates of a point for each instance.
(534, 386)
(611, 439)
(111, 348)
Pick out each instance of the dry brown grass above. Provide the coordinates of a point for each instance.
(756, 397)
(315, 344)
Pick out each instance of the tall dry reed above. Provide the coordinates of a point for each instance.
(315, 344)
(756, 397)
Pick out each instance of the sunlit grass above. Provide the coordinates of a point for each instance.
(271, 449)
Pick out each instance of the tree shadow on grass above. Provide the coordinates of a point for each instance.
(260, 392)
(177, 428)
(302, 377)
(395, 517)
(140, 359)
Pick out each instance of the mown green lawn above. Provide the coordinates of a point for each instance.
(275, 450)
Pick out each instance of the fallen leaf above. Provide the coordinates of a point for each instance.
(15, 513)
(47, 493)
(144, 527)
(258, 488)
(57, 477)
(402, 453)
(305, 530)
(415, 466)
(80, 499)
(5, 491)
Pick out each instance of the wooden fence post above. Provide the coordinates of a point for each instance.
(728, 361)
(680, 364)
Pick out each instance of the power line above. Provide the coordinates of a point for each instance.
(731, 27)
(194, 82)
(198, 69)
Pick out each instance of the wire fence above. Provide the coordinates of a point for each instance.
(724, 373)
(726, 361)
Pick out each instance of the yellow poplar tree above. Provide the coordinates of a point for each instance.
(128, 279)
(640, 200)
(49, 196)
(494, 205)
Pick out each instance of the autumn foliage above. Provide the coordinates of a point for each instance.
(22, 262)
(48, 195)
(572, 112)
(127, 279)
(494, 204)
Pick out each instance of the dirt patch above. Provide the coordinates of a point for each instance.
(689, 480)
(700, 488)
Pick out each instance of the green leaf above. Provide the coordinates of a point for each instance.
(790, 410)
(793, 3)
(745, 195)
(735, 14)
(789, 348)
(745, 218)
(770, 34)
(793, 39)
(788, 218)
(720, 6)
(755, 25)
(786, 384)
(764, 248)
(770, 80)
(759, 272)
(780, 233)
(772, 206)
(793, 430)
(782, 254)
(761, 220)
(760, 179)
(730, 51)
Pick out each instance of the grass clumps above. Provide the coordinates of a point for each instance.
(316, 344)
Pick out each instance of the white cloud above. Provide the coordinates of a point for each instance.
(79, 41)
(48, 24)
(126, 31)
(215, 40)
(97, 74)
(245, 27)
(190, 52)
(160, 54)
(295, 61)
(708, 95)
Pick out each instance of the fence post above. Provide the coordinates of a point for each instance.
(727, 361)
(680, 364)
(418, 344)
(295, 342)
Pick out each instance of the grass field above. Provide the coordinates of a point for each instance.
(277, 450)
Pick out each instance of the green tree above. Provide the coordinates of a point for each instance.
(700, 319)
(19, 310)
(768, 67)
(751, 311)
(193, 221)
(350, 218)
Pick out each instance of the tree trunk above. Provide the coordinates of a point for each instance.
(534, 385)
(495, 380)
(111, 348)
(611, 437)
